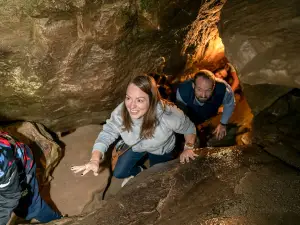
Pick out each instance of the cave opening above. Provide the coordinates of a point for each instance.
(240, 123)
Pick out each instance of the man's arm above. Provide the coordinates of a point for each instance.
(229, 104)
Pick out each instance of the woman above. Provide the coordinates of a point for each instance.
(228, 73)
(147, 124)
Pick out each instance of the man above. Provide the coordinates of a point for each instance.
(201, 98)
(19, 191)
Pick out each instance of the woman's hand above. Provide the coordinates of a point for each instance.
(93, 165)
(186, 155)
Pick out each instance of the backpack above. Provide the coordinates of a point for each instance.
(7, 158)
(14, 156)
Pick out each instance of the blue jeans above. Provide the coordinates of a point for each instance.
(32, 206)
(127, 164)
(45, 213)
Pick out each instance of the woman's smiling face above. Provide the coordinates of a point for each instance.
(136, 101)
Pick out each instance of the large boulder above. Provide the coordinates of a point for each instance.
(276, 129)
(262, 40)
(238, 185)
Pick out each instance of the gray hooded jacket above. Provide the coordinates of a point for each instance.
(171, 119)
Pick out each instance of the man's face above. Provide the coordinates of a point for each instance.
(203, 89)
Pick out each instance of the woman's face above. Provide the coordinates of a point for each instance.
(136, 102)
(222, 74)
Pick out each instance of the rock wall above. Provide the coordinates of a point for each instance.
(261, 39)
(65, 63)
(276, 129)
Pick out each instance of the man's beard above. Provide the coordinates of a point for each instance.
(202, 100)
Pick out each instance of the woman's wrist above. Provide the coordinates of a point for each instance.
(96, 156)
(190, 140)
(189, 145)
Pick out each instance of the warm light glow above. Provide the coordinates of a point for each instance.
(218, 44)
(215, 50)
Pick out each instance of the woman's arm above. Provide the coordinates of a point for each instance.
(189, 146)
(190, 140)
(97, 156)
(180, 123)
(111, 131)
(236, 81)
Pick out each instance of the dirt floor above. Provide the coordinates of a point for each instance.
(72, 192)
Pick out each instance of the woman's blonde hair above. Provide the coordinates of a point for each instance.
(150, 119)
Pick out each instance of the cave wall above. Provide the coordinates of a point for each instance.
(65, 63)
(261, 39)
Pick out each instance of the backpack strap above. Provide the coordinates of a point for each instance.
(11, 140)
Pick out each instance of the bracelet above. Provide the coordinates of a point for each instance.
(189, 146)
(223, 124)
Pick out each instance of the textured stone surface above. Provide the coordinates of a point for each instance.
(223, 186)
(262, 40)
(276, 129)
(261, 96)
(66, 63)
(71, 192)
(202, 40)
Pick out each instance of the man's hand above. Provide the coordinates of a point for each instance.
(186, 155)
(93, 165)
(220, 132)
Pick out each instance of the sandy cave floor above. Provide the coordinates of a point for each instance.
(71, 192)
